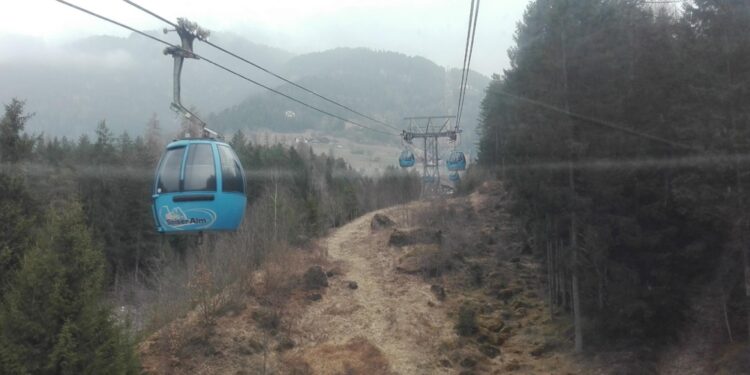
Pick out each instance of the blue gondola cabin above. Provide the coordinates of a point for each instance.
(406, 159)
(199, 187)
(456, 161)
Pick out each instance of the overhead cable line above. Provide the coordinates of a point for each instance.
(294, 99)
(466, 53)
(468, 63)
(599, 122)
(225, 69)
(465, 73)
(268, 71)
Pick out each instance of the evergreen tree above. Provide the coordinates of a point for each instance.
(642, 233)
(14, 144)
(153, 140)
(104, 148)
(17, 221)
(53, 320)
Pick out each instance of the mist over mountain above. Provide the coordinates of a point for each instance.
(385, 85)
(125, 80)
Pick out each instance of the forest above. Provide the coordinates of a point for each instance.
(78, 239)
(621, 128)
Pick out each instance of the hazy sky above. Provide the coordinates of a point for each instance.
(435, 29)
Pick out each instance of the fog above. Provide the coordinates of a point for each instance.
(435, 29)
(74, 70)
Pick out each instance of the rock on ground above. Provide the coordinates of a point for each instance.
(380, 221)
(315, 278)
(418, 258)
(415, 236)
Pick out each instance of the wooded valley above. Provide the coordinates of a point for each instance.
(79, 240)
(611, 182)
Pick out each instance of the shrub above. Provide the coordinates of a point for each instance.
(267, 318)
(315, 278)
(467, 321)
(204, 295)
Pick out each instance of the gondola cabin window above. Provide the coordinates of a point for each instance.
(200, 171)
(169, 176)
(231, 172)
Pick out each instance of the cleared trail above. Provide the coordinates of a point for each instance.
(392, 323)
(380, 313)
(393, 311)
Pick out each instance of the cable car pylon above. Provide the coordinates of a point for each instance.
(430, 135)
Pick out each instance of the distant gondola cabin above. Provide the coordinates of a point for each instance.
(406, 159)
(456, 161)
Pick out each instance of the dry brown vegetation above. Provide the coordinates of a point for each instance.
(414, 284)
(470, 303)
(357, 356)
(493, 290)
(241, 328)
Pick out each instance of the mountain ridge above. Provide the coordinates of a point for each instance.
(381, 84)
(125, 80)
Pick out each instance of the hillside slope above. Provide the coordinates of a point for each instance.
(125, 80)
(385, 85)
(401, 316)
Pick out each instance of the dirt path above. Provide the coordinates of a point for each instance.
(393, 323)
(395, 312)
(389, 322)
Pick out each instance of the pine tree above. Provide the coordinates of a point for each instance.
(54, 320)
(153, 139)
(640, 234)
(104, 148)
(15, 145)
(17, 220)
